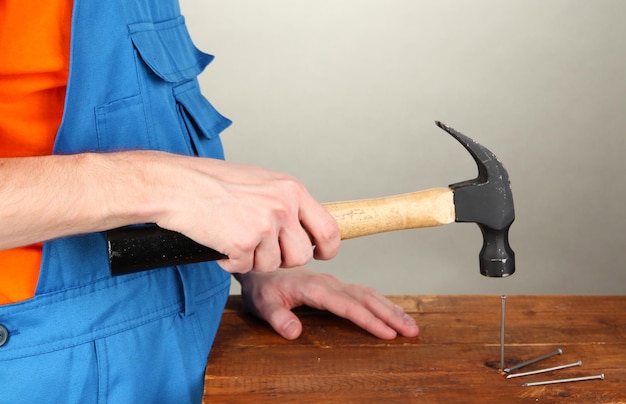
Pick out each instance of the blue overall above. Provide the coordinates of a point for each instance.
(87, 337)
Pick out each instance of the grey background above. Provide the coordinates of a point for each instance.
(343, 95)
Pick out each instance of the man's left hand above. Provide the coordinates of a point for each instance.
(272, 295)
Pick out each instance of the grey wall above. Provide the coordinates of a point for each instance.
(343, 95)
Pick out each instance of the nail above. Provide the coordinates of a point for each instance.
(503, 297)
(408, 320)
(535, 360)
(290, 329)
(575, 379)
(534, 372)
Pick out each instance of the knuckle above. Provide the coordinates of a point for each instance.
(292, 187)
(269, 266)
(292, 183)
(370, 297)
(297, 260)
(244, 245)
(262, 224)
(317, 293)
(281, 211)
(267, 258)
(329, 231)
(236, 266)
(264, 268)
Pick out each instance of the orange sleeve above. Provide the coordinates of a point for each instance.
(35, 47)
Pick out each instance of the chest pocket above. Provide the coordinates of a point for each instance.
(168, 50)
(200, 120)
(170, 104)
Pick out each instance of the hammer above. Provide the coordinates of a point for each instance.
(486, 200)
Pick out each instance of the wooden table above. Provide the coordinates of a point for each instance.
(455, 359)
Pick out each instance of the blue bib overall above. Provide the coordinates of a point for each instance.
(87, 337)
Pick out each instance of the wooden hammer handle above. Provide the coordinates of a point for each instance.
(432, 207)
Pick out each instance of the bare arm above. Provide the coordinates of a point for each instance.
(42, 198)
(257, 217)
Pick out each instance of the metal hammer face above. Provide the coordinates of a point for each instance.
(487, 201)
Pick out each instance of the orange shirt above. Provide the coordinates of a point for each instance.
(34, 66)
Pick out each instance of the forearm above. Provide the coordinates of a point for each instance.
(260, 219)
(43, 198)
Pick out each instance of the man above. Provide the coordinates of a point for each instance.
(102, 125)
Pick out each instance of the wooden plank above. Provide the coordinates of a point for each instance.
(455, 357)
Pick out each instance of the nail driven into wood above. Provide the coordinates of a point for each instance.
(535, 372)
(503, 297)
(574, 379)
(535, 360)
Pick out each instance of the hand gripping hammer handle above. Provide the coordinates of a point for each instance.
(139, 248)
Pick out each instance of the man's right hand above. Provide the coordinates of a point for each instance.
(262, 220)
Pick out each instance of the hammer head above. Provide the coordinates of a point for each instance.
(486, 200)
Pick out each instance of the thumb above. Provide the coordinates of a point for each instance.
(282, 320)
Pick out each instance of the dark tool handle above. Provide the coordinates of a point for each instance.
(134, 249)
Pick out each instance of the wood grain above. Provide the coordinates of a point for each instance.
(455, 358)
(428, 208)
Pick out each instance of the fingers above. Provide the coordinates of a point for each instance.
(271, 253)
(282, 320)
(381, 320)
(295, 247)
(365, 311)
(269, 220)
(366, 319)
(395, 317)
(363, 306)
(268, 295)
(322, 228)
(285, 245)
(267, 255)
